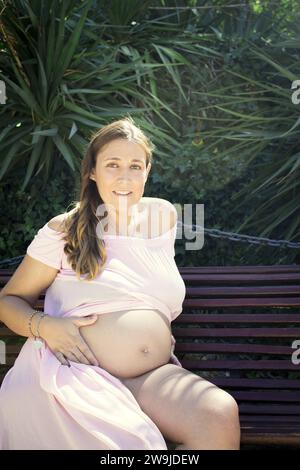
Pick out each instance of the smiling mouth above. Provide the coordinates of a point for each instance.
(121, 193)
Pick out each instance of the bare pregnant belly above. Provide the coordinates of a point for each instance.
(129, 343)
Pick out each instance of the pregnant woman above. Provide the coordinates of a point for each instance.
(98, 369)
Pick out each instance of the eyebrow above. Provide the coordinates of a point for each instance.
(117, 158)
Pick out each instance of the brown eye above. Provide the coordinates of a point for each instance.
(136, 166)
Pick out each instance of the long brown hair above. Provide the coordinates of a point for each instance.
(86, 251)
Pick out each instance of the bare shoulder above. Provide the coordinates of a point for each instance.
(164, 203)
(57, 222)
(166, 209)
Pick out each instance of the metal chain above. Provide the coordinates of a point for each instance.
(212, 232)
(12, 261)
(241, 238)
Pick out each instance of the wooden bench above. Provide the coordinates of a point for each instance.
(236, 330)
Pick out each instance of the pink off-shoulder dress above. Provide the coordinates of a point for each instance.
(46, 405)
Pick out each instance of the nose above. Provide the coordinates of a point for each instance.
(124, 176)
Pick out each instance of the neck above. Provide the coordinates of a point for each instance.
(120, 222)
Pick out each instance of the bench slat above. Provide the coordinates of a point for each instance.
(270, 429)
(222, 318)
(272, 438)
(255, 278)
(260, 383)
(233, 348)
(194, 364)
(271, 409)
(266, 395)
(237, 332)
(277, 268)
(276, 420)
(242, 302)
(234, 291)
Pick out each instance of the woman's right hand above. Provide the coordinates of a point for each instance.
(63, 337)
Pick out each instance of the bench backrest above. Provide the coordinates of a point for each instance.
(238, 331)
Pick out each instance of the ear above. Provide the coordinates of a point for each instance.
(92, 175)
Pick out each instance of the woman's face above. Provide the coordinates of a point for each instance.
(121, 166)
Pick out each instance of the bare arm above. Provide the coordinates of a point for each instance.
(17, 300)
(19, 295)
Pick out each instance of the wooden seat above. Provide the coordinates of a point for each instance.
(236, 330)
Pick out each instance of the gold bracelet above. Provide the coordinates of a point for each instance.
(38, 325)
(29, 322)
(39, 342)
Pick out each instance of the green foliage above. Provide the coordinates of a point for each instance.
(65, 80)
(211, 88)
(29, 210)
(246, 113)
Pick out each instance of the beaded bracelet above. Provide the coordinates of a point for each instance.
(38, 341)
(38, 325)
(29, 322)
